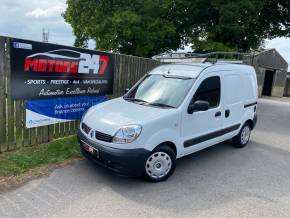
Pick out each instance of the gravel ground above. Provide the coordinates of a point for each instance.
(217, 182)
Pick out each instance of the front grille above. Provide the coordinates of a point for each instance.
(86, 128)
(99, 135)
(103, 136)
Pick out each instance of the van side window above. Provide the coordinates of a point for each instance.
(209, 90)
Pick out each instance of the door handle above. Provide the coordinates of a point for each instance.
(227, 113)
(218, 114)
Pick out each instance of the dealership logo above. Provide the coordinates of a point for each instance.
(66, 61)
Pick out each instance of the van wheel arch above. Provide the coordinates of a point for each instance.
(169, 144)
(243, 137)
(251, 123)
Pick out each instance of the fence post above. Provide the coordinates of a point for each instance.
(3, 100)
(10, 102)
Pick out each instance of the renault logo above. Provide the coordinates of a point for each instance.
(92, 134)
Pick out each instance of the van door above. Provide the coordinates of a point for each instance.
(199, 130)
(233, 102)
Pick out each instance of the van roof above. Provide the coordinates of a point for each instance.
(193, 70)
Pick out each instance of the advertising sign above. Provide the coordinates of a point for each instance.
(42, 70)
(49, 111)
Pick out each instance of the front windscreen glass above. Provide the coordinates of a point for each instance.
(160, 91)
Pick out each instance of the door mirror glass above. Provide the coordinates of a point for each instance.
(198, 106)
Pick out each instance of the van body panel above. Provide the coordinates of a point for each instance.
(109, 116)
(165, 129)
(233, 99)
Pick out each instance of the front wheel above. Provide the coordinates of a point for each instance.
(160, 164)
(242, 139)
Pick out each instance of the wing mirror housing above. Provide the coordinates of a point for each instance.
(198, 106)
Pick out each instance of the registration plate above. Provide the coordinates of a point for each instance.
(91, 149)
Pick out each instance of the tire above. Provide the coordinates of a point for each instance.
(242, 139)
(160, 164)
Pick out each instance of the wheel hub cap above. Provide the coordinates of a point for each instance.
(245, 136)
(158, 165)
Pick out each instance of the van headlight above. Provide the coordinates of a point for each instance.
(127, 134)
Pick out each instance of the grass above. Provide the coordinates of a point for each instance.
(25, 159)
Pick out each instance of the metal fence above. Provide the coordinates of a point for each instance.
(14, 134)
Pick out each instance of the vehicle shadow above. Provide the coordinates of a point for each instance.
(208, 178)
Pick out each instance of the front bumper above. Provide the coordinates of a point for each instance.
(121, 161)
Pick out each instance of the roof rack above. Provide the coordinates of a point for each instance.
(211, 57)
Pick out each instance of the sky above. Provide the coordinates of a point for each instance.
(26, 19)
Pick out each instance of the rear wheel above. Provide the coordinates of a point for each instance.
(242, 139)
(160, 164)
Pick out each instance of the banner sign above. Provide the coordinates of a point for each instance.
(42, 70)
(49, 111)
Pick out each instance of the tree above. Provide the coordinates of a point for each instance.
(149, 27)
(135, 27)
(240, 25)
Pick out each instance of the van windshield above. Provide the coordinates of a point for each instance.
(160, 91)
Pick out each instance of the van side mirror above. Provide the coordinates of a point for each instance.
(198, 105)
(126, 90)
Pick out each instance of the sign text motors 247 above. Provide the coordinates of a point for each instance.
(42, 70)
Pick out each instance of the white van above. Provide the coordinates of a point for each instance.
(173, 111)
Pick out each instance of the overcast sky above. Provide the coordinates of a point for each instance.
(27, 18)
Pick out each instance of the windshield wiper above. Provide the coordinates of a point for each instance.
(147, 103)
(136, 100)
(160, 105)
